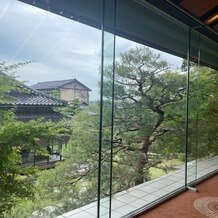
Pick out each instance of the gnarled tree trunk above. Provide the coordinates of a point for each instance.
(143, 160)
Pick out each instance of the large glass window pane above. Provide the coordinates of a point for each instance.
(201, 151)
(91, 129)
(149, 125)
(207, 127)
(149, 154)
(55, 123)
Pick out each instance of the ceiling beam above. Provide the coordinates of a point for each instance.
(177, 1)
(208, 14)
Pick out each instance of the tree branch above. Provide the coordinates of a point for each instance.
(156, 135)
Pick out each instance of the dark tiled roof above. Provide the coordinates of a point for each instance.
(51, 116)
(28, 96)
(57, 84)
(23, 95)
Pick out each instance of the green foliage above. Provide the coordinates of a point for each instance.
(181, 156)
(73, 107)
(55, 93)
(17, 182)
(203, 112)
(8, 83)
(149, 99)
(72, 183)
(184, 66)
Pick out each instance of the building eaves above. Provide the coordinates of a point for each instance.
(23, 95)
(31, 97)
(78, 82)
(53, 116)
(57, 84)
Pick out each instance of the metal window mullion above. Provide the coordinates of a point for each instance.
(187, 106)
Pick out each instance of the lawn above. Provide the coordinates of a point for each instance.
(156, 172)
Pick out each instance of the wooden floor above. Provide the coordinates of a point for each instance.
(182, 205)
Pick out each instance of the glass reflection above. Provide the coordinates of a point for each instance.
(57, 105)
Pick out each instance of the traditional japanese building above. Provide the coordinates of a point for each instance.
(29, 104)
(68, 90)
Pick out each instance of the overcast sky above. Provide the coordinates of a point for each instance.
(60, 48)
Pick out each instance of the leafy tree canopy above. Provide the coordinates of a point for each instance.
(17, 182)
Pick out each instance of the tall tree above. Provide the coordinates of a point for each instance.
(148, 98)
